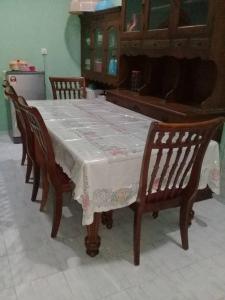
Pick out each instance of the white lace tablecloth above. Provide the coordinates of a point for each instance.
(100, 146)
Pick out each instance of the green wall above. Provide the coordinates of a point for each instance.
(26, 26)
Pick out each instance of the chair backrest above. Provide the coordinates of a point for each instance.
(68, 87)
(11, 94)
(172, 160)
(42, 140)
(9, 91)
(27, 132)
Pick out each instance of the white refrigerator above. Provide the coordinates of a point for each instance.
(30, 85)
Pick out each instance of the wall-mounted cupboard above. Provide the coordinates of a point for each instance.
(100, 45)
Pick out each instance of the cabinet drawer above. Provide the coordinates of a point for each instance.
(178, 43)
(130, 44)
(199, 43)
(156, 44)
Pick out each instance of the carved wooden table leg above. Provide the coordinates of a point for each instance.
(107, 219)
(93, 240)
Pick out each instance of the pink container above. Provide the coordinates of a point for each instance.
(32, 68)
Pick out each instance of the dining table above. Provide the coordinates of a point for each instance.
(100, 146)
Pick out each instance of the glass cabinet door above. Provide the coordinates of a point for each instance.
(112, 54)
(193, 12)
(98, 50)
(87, 51)
(133, 15)
(159, 14)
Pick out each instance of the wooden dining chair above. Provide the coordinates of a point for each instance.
(32, 159)
(175, 152)
(53, 173)
(68, 87)
(11, 94)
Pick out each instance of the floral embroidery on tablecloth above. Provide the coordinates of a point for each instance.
(107, 197)
(117, 151)
(121, 195)
(102, 197)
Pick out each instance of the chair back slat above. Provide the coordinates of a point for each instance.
(175, 153)
(68, 87)
(155, 169)
(167, 162)
(174, 167)
(158, 159)
(185, 150)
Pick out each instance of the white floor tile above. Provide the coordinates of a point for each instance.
(2, 246)
(53, 287)
(121, 296)
(30, 265)
(5, 273)
(91, 282)
(8, 294)
(25, 238)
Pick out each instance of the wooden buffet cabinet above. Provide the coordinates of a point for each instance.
(178, 49)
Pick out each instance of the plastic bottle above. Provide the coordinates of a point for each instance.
(112, 67)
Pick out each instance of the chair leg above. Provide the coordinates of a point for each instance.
(29, 169)
(191, 216)
(137, 237)
(36, 181)
(184, 223)
(45, 189)
(57, 213)
(24, 152)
